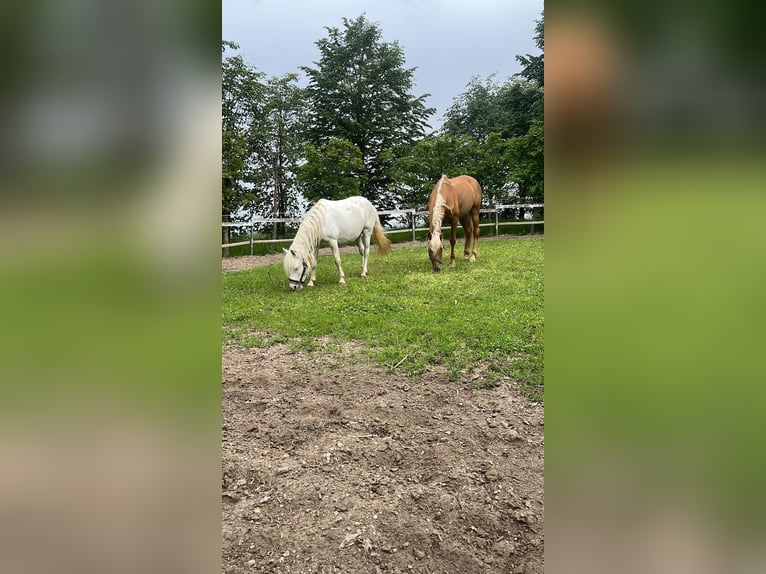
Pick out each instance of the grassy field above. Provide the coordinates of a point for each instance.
(485, 318)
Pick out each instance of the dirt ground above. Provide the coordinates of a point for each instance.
(330, 465)
(333, 465)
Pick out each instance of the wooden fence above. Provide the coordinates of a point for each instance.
(411, 214)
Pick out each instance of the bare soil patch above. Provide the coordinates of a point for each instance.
(334, 465)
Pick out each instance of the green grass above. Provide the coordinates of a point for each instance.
(484, 319)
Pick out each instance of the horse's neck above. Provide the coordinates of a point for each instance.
(440, 206)
(309, 232)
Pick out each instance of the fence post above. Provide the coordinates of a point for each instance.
(251, 237)
(413, 225)
(497, 222)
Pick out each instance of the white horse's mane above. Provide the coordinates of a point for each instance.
(309, 232)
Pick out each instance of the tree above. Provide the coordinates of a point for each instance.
(242, 98)
(529, 150)
(494, 170)
(334, 170)
(533, 67)
(526, 155)
(507, 122)
(419, 169)
(487, 107)
(285, 116)
(360, 92)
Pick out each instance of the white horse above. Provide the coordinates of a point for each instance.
(350, 220)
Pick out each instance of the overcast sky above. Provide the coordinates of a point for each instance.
(448, 41)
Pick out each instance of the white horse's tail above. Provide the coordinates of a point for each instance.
(384, 243)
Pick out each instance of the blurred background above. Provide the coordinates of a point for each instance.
(109, 286)
(654, 287)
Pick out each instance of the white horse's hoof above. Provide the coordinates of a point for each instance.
(342, 282)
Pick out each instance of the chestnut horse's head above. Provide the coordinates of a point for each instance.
(435, 248)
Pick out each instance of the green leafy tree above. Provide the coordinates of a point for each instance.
(488, 107)
(419, 169)
(493, 170)
(507, 122)
(242, 101)
(360, 91)
(533, 67)
(489, 162)
(529, 150)
(333, 170)
(282, 134)
(526, 154)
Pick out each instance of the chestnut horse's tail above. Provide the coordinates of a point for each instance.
(384, 243)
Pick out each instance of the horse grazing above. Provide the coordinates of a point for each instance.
(350, 220)
(453, 200)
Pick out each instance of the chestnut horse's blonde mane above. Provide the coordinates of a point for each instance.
(438, 213)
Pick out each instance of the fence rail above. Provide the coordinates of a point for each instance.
(413, 215)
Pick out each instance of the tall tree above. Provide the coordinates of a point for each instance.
(528, 151)
(506, 120)
(360, 91)
(242, 101)
(285, 117)
(533, 67)
(488, 107)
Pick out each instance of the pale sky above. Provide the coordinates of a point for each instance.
(448, 41)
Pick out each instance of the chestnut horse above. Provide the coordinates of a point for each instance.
(453, 200)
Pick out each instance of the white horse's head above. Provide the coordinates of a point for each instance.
(296, 269)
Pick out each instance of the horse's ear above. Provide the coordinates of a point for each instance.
(285, 250)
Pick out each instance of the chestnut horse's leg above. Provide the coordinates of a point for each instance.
(475, 220)
(452, 239)
(467, 224)
(336, 255)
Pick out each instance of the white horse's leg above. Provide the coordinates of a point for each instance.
(314, 268)
(336, 254)
(364, 250)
